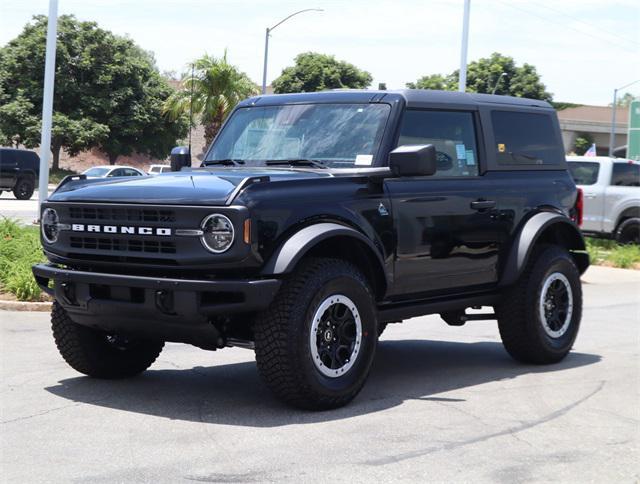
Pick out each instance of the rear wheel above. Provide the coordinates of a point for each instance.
(540, 316)
(628, 231)
(316, 342)
(99, 354)
(24, 189)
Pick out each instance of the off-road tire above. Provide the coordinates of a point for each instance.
(519, 320)
(24, 188)
(628, 232)
(282, 333)
(88, 350)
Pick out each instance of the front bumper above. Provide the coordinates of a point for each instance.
(170, 309)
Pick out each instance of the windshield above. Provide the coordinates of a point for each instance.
(584, 173)
(96, 171)
(337, 135)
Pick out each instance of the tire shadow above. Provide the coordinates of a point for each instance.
(233, 394)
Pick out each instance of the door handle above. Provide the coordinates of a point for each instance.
(483, 204)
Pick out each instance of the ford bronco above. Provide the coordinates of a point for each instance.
(314, 221)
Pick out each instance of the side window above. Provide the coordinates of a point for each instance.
(130, 172)
(117, 172)
(525, 139)
(626, 175)
(452, 134)
(584, 172)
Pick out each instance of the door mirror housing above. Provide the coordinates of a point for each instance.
(180, 157)
(413, 160)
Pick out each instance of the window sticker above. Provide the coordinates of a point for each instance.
(501, 147)
(365, 160)
(471, 159)
(460, 152)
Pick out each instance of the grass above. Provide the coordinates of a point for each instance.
(56, 176)
(19, 249)
(610, 253)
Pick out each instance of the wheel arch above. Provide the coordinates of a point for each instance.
(628, 212)
(541, 228)
(328, 239)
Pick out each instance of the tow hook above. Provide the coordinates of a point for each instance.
(164, 301)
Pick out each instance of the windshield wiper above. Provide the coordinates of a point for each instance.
(225, 162)
(297, 162)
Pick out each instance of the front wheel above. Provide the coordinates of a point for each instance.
(316, 342)
(540, 316)
(99, 354)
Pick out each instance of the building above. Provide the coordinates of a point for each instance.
(594, 121)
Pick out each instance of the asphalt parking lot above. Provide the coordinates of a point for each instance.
(442, 403)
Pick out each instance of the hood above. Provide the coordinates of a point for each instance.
(192, 187)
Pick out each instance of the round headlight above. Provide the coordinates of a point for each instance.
(49, 224)
(217, 233)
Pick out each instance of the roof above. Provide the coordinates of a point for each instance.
(412, 98)
(594, 114)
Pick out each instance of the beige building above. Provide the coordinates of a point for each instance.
(595, 121)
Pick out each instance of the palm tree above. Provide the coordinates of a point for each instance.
(217, 87)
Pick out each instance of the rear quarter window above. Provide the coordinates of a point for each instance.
(524, 138)
(584, 172)
(626, 175)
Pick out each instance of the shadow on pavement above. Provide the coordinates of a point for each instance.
(234, 395)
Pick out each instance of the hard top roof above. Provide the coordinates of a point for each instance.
(412, 98)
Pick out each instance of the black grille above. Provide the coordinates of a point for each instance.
(123, 245)
(122, 214)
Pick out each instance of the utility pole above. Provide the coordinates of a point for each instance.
(462, 83)
(47, 104)
(612, 134)
(266, 43)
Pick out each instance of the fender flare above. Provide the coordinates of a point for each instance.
(529, 234)
(288, 254)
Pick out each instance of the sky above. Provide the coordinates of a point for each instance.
(583, 49)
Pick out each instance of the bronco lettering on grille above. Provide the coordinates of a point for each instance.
(121, 229)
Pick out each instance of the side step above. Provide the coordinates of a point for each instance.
(412, 309)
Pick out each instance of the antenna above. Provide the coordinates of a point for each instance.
(191, 107)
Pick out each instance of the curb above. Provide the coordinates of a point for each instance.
(25, 306)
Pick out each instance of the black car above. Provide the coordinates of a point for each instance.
(316, 220)
(19, 171)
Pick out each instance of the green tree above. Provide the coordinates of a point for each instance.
(107, 92)
(217, 87)
(582, 143)
(317, 72)
(486, 74)
(625, 100)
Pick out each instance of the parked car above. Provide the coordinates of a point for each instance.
(316, 220)
(19, 171)
(157, 169)
(611, 188)
(107, 171)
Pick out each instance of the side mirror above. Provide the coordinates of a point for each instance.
(413, 160)
(180, 157)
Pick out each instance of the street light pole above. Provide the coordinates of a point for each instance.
(462, 82)
(47, 103)
(266, 43)
(498, 82)
(612, 135)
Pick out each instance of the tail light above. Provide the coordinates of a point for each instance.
(578, 208)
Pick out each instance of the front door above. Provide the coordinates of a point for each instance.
(447, 225)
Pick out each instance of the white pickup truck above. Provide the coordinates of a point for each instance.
(611, 190)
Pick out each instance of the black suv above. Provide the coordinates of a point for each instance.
(19, 171)
(316, 220)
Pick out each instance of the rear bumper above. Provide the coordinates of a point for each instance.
(171, 309)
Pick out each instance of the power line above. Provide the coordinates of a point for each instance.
(550, 19)
(588, 24)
